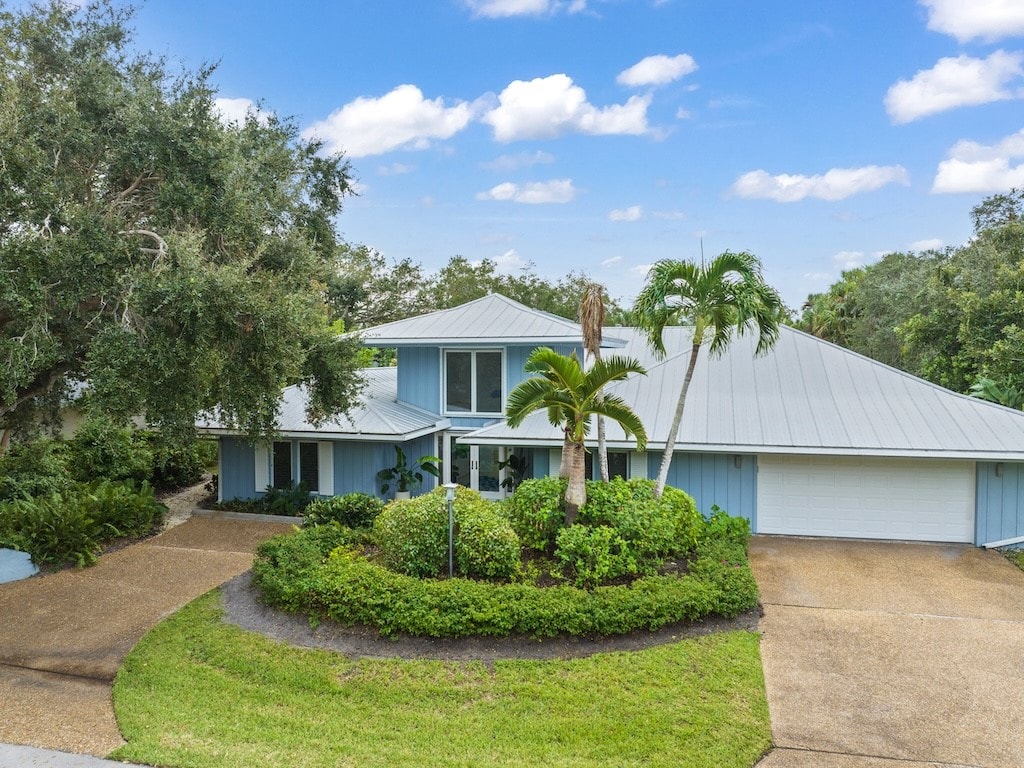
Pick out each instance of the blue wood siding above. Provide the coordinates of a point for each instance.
(356, 464)
(237, 468)
(419, 377)
(1000, 502)
(540, 462)
(714, 478)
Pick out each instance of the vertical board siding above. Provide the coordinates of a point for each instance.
(356, 464)
(714, 478)
(1000, 502)
(419, 377)
(237, 469)
(540, 461)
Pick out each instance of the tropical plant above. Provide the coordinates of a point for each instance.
(987, 389)
(592, 314)
(406, 476)
(571, 397)
(722, 298)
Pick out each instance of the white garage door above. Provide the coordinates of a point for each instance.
(911, 499)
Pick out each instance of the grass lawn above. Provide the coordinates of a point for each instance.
(1016, 556)
(197, 692)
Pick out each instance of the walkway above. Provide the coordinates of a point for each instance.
(64, 636)
(886, 655)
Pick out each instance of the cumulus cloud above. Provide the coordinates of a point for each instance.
(657, 70)
(497, 9)
(633, 213)
(547, 107)
(973, 167)
(234, 111)
(984, 19)
(520, 160)
(931, 244)
(836, 184)
(849, 259)
(954, 82)
(534, 192)
(400, 118)
(510, 261)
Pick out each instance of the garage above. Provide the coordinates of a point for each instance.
(866, 497)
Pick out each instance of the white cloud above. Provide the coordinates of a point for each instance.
(973, 167)
(633, 213)
(836, 184)
(520, 160)
(534, 192)
(510, 261)
(985, 19)
(497, 9)
(683, 114)
(550, 106)
(234, 111)
(657, 70)
(400, 118)
(954, 82)
(931, 244)
(640, 269)
(848, 259)
(611, 262)
(395, 169)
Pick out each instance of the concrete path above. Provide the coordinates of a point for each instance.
(886, 655)
(64, 636)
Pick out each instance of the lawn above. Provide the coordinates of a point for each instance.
(1016, 556)
(198, 692)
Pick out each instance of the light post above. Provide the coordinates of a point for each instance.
(449, 494)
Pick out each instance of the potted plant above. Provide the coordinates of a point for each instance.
(406, 476)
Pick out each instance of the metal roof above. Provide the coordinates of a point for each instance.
(805, 396)
(491, 319)
(378, 416)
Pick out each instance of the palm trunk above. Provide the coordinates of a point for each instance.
(564, 469)
(602, 448)
(576, 491)
(677, 418)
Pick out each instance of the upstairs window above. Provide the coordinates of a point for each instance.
(473, 381)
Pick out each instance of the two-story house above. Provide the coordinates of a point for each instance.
(809, 439)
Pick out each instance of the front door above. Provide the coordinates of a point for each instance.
(474, 466)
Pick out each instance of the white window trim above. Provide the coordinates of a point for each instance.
(444, 382)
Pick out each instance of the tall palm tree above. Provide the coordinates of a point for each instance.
(571, 396)
(592, 321)
(720, 299)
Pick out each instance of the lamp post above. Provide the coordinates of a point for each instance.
(449, 494)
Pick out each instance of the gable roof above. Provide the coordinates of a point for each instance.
(378, 416)
(491, 319)
(805, 396)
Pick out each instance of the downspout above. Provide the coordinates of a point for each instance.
(1004, 542)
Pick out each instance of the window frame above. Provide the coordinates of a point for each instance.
(314, 487)
(473, 384)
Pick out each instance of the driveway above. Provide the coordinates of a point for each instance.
(891, 655)
(64, 636)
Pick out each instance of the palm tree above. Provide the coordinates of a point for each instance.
(725, 297)
(571, 396)
(592, 321)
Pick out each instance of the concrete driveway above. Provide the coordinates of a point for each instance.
(880, 654)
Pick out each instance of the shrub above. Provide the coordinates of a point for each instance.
(100, 450)
(353, 510)
(123, 510)
(535, 512)
(413, 536)
(289, 501)
(33, 469)
(721, 526)
(590, 556)
(176, 465)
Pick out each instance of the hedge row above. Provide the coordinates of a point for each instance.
(345, 587)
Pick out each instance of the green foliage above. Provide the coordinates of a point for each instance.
(986, 389)
(179, 464)
(353, 510)
(290, 501)
(592, 555)
(33, 469)
(412, 535)
(102, 450)
(407, 476)
(723, 527)
(535, 512)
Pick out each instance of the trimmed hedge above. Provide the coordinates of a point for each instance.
(295, 575)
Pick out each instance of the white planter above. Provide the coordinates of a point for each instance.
(402, 495)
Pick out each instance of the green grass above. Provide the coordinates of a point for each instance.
(197, 692)
(1016, 556)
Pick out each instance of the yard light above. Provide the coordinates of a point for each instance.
(449, 494)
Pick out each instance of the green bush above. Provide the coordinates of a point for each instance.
(33, 469)
(412, 535)
(589, 556)
(122, 510)
(288, 502)
(100, 450)
(721, 526)
(535, 512)
(353, 510)
(349, 589)
(175, 465)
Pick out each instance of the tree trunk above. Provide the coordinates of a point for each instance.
(576, 491)
(602, 449)
(564, 470)
(5, 439)
(677, 418)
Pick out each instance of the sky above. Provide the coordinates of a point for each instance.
(603, 135)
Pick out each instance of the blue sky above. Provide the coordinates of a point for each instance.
(602, 135)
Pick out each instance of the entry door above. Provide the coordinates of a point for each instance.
(475, 466)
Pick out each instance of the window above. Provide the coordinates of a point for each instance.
(282, 475)
(618, 465)
(473, 381)
(309, 466)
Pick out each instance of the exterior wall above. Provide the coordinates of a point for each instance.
(714, 478)
(515, 361)
(1000, 502)
(419, 377)
(237, 469)
(540, 462)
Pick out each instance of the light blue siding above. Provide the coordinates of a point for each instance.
(1000, 502)
(540, 461)
(419, 377)
(356, 464)
(714, 478)
(515, 360)
(237, 468)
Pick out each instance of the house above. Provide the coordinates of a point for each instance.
(810, 439)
